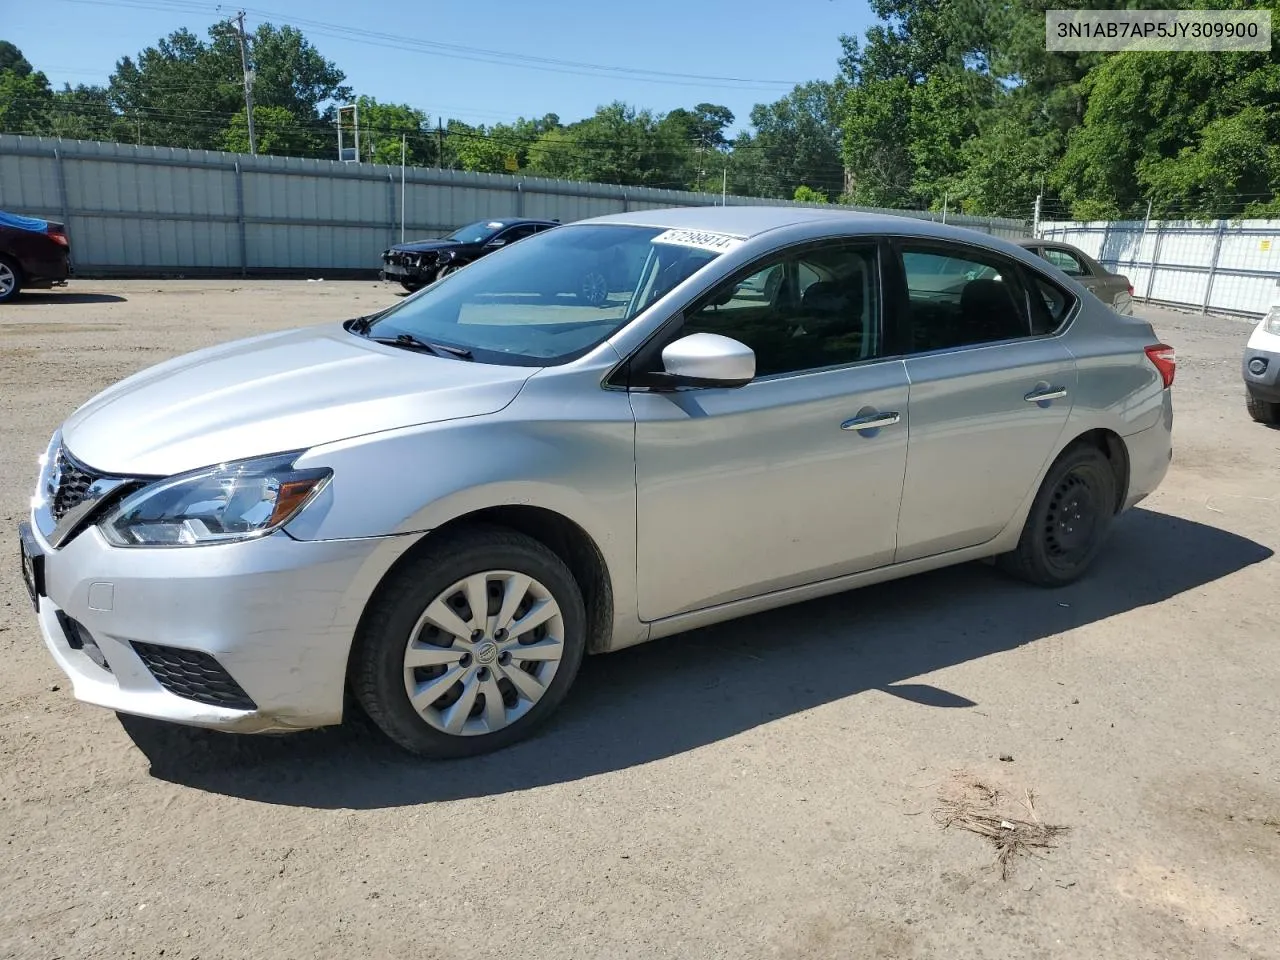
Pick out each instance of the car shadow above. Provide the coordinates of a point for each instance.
(669, 696)
(53, 296)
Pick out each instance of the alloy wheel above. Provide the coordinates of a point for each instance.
(595, 288)
(7, 279)
(483, 653)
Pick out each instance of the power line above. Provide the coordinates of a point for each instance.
(461, 52)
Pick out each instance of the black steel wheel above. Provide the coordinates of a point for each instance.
(1069, 519)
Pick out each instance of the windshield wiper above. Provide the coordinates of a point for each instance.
(362, 324)
(410, 342)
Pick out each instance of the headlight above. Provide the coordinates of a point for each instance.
(1272, 323)
(232, 501)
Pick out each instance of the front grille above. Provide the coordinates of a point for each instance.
(193, 675)
(73, 483)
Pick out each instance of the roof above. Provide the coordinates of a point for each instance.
(751, 221)
(739, 221)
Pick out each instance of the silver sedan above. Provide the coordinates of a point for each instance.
(441, 507)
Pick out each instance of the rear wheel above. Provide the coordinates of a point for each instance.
(1263, 411)
(10, 279)
(468, 648)
(1069, 519)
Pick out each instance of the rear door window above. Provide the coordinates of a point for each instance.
(1065, 261)
(958, 297)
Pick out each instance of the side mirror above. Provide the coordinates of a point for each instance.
(708, 360)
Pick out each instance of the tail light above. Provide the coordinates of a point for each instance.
(1165, 360)
(58, 236)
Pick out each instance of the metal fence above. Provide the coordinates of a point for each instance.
(1219, 266)
(157, 211)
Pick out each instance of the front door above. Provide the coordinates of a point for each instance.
(991, 390)
(772, 485)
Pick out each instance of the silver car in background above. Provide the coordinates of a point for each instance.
(443, 506)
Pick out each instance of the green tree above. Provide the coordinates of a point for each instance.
(11, 58)
(382, 125)
(796, 140)
(277, 132)
(805, 194)
(25, 97)
(183, 91)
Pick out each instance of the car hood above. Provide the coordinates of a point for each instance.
(420, 246)
(279, 392)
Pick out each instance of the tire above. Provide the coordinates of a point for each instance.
(1068, 522)
(398, 623)
(411, 285)
(445, 271)
(1263, 411)
(10, 279)
(594, 289)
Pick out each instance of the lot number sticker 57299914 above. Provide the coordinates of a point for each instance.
(701, 239)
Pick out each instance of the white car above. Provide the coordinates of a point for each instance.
(1262, 369)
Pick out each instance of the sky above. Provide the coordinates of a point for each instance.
(759, 48)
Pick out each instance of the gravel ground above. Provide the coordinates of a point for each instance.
(760, 789)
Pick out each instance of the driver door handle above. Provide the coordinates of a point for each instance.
(1048, 393)
(872, 421)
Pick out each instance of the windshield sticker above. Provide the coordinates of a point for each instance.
(701, 239)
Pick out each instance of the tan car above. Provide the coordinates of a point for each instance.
(1113, 289)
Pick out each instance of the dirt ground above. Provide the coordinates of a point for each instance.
(761, 789)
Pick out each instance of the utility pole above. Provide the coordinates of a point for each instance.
(724, 186)
(248, 85)
(402, 153)
(945, 197)
(1035, 218)
(439, 143)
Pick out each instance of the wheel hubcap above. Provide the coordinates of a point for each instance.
(6, 279)
(594, 288)
(483, 653)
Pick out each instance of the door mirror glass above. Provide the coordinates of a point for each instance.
(709, 360)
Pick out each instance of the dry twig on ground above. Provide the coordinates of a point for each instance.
(980, 808)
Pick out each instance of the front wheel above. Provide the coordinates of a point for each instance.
(1069, 520)
(413, 286)
(1263, 411)
(469, 647)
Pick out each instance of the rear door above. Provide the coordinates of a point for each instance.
(991, 390)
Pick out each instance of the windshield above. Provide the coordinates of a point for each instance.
(476, 232)
(552, 297)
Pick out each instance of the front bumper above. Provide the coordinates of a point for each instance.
(275, 616)
(401, 270)
(1261, 371)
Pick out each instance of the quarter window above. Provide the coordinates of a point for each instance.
(818, 307)
(1050, 305)
(958, 298)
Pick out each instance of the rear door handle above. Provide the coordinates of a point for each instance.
(1046, 393)
(871, 421)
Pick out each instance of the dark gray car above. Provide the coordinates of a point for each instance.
(1113, 289)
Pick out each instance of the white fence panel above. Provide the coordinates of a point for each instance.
(1224, 266)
